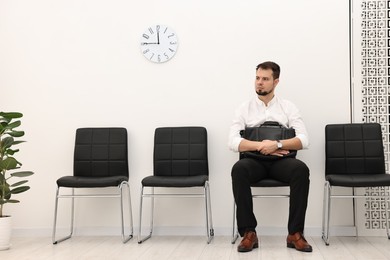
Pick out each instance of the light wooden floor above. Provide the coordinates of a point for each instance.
(191, 247)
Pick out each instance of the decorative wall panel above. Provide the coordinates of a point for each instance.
(375, 75)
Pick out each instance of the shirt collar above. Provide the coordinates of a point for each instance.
(261, 103)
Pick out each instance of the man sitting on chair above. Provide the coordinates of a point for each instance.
(268, 107)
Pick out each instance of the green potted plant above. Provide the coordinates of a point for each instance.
(9, 166)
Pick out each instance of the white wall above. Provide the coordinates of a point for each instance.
(70, 63)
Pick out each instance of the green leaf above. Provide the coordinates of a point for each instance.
(7, 142)
(18, 183)
(16, 133)
(13, 125)
(20, 189)
(12, 152)
(18, 142)
(10, 115)
(8, 164)
(4, 121)
(22, 174)
(11, 201)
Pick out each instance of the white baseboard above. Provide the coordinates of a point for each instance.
(176, 231)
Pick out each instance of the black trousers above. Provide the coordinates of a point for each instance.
(290, 170)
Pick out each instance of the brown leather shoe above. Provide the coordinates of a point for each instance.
(248, 242)
(298, 241)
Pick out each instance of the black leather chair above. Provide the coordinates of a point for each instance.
(266, 183)
(180, 160)
(354, 159)
(100, 161)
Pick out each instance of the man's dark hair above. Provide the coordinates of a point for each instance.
(269, 65)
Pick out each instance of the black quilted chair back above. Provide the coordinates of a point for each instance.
(180, 151)
(101, 152)
(354, 149)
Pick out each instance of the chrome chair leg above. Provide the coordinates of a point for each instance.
(326, 213)
(354, 204)
(234, 231)
(209, 220)
(323, 212)
(140, 239)
(387, 200)
(151, 225)
(55, 219)
(125, 238)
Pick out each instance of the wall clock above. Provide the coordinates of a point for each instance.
(159, 43)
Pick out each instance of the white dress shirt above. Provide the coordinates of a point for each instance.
(254, 113)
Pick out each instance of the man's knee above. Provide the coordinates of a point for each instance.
(302, 171)
(240, 169)
(237, 169)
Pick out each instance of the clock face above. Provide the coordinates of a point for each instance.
(159, 43)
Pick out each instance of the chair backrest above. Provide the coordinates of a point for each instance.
(180, 151)
(354, 148)
(101, 152)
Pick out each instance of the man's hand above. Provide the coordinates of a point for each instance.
(280, 152)
(269, 147)
(266, 147)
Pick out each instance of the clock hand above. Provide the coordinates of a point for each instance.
(158, 37)
(146, 43)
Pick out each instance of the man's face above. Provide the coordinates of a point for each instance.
(265, 82)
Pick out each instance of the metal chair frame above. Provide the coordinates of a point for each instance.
(119, 194)
(205, 195)
(327, 207)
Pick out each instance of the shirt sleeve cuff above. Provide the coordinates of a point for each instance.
(234, 146)
(304, 141)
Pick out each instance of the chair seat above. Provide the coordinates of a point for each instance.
(270, 183)
(90, 182)
(173, 181)
(359, 180)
